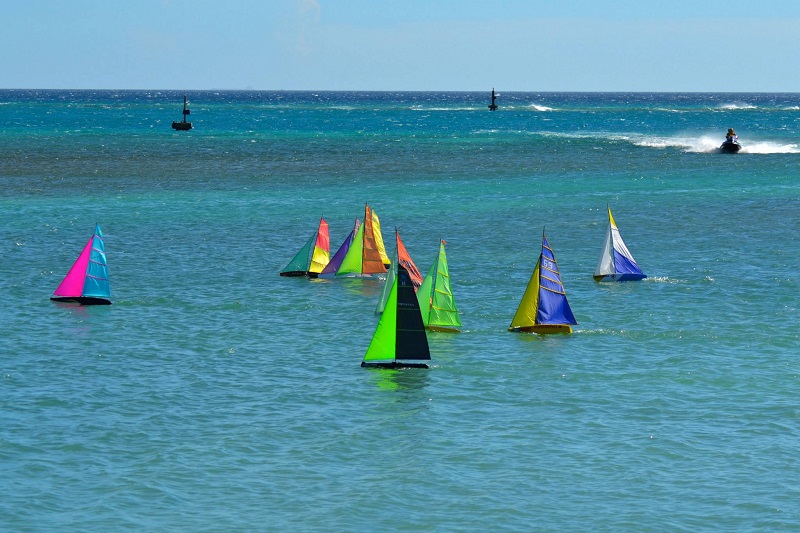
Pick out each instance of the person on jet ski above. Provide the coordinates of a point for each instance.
(731, 136)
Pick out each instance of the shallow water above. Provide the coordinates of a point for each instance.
(214, 394)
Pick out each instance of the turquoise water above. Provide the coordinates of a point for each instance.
(215, 395)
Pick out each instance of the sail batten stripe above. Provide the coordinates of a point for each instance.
(556, 281)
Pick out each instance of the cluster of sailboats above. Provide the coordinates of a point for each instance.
(409, 303)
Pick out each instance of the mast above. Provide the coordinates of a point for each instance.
(185, 111)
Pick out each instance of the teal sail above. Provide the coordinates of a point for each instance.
(298, 266)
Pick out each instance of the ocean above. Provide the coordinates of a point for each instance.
(215, 395)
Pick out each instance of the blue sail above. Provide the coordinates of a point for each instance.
(96, 284)
(627, 269)
(553, 305)
(616, 262)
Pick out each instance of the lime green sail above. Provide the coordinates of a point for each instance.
(387, 286)
(363, 259)
(382, 346)
(400, 335)
(436, 301)
(351, 264)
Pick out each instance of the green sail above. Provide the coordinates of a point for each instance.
(400, 334)
(387, 286)
(351, 264)
(435, 295)
(299, 263)
(425, 293)
(383, 344)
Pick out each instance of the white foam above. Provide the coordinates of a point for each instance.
(767, 147)
(737, 106)
(711, 144)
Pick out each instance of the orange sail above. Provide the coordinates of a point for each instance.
(371, 261)
(405, 259)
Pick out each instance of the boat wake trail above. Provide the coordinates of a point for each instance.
(711, 144)
(770, 148)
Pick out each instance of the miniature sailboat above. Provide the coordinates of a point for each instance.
(86, 282)
(336, 261)
(616, 262)
(544, 307)
(183, 125)
(404, 258)
(399, 338)
(363, 258)
(435, 295)
(313, 256)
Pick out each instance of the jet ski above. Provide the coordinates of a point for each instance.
(730, 146)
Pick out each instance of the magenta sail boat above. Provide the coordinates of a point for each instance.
(86, 282)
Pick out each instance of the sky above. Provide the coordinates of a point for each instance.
(404, 45)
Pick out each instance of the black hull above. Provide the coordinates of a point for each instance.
(181, 126)
(82, 300)
(730, 148)
(294, 274)
(393, 364)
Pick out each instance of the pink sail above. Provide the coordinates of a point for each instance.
(72, 285)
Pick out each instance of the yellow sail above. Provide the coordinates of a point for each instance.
(525, 316)
(376, 229)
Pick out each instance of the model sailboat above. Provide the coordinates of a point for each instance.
(86, 282)
(336, 261)
(399, 340)
(362, 258)
(313, 256)
(544, 307)
(401, 257)
(616, 262)
(435, 295)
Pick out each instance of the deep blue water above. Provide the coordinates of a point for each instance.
(215, 395)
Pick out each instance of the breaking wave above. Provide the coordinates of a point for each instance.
(737, 106)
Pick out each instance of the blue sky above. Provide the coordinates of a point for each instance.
(514, 45)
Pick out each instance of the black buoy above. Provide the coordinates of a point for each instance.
(493, 105)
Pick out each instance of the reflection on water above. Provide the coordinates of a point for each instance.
(409, 379)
